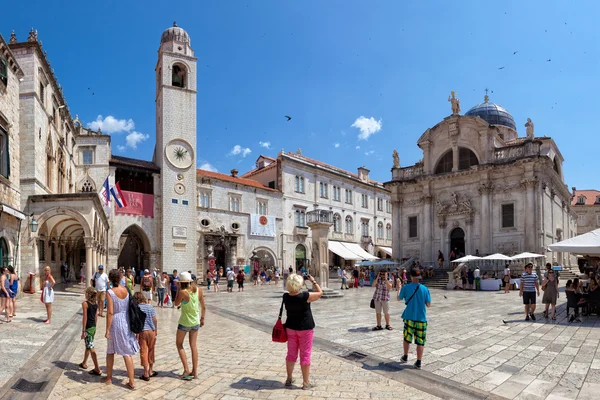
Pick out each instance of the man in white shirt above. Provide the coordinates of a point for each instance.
(477, 275)
(230, 279)
(101, 282)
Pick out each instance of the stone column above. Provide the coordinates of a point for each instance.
(397, 229)
(530, 233)
(454, 158)
(89, 259)
(320, 231)
(427, 251)
(485, 213)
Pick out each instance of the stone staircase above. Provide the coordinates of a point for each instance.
(567, 274)
(438, 281)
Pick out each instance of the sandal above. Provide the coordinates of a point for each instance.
(130, 386)
(81, 366)
(94, 372)
(144, 378)
(153, 374)
(308, 386)
(289, 382)
(186, 377)
(378, 328)
(389, 328)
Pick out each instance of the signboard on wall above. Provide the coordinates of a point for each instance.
(262, 225)
(180, 232)
(137, 204)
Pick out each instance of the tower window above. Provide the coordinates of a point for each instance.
(178, 76)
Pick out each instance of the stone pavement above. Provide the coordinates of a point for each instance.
(236, 362)
(27, 334)
(468, 343)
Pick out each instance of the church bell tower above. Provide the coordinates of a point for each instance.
(175, 151)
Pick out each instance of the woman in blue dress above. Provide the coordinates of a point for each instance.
(14, 289)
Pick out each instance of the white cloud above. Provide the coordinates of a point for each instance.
(367, 127)
(368, 153)
(237, 149)
(357, 147)
(266, 145)
(111, 125)
(134, 138)
(336, 145)
(121, 148)
(208, 167)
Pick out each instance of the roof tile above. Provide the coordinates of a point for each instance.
(237, 180)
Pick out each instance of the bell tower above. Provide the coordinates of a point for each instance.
(175, 150)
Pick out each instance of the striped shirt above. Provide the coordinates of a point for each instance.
(528, 281)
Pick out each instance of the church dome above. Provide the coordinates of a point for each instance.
(493, 114)
(176, 34)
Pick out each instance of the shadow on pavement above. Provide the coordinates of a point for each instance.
(360, 330)
(389, 366)
(257, 384)
(35, 319)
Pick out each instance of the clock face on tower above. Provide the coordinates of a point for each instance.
(179, 153)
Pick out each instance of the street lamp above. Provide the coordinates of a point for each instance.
(33, 224)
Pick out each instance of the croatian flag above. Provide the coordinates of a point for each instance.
(105, 193)
(118, 196)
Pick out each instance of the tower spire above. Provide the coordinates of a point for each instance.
(486, 98)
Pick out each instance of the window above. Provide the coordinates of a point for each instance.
(323, 190)
(184, 202)
(388, 206)
(388, 232)
(380, 230)
(508, 215)
(235, 226)
(299, 184)
(337, 223)
(445, 164)
(364, 200)
(87, 157)
(41, 250)
(348, 196)
(379, 204)
(4, 154)
(3, 71)
(581, 200)
(581, 220)
(466, 158)
(364, 227)
(300, 218)
(598, 200)
(205, 222)
(234, 203)
(412, 227)
(349, 226)
(42, 93)
(174, 201)
(272, 184)
(337, 193)
(204, 199)
(178, 77)
(261, 207)
(598, 219)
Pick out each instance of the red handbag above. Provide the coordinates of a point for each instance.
(279, 335)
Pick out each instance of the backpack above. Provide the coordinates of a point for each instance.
(137, 318)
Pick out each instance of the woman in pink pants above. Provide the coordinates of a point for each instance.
(299, 326)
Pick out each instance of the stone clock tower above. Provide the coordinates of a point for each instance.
(175, 151)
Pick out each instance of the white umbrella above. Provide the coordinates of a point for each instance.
(527, 255)
(497, 256)
(588, 243)
(466, 259)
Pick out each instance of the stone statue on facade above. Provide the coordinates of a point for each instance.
(455, 103)
(396, 159)
(529, 131)
(211, 251)
(454, 198)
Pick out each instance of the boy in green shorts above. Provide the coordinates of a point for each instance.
(417, 299)
(90, 317)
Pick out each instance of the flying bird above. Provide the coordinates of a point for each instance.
(548, 60)
(515, 52)
(501, 68)
(288, 117)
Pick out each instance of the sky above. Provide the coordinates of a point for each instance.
(358, 78)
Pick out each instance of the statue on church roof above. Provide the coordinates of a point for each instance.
(529, 131)
(455, 103)
(33, 36)
(396, 159)
(299, 152)
(13, 37)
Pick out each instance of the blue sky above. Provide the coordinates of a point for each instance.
(326, 64)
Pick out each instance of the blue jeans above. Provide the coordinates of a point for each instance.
(161, 296)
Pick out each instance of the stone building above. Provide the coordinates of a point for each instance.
(362, 219)
(586, 204)
(480, 188)
(12, 220)
(230, 209)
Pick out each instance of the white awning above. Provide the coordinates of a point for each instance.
(342, 251)
(386, 250)
(586, 244)
(359, 251)
(11, 211)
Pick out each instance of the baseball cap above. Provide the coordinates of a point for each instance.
(100, 266)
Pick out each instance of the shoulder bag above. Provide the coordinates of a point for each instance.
(279, 335)
(137, 318)
(413, 295)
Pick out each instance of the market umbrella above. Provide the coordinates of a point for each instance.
(497, 256)
(588, 244)
(527, 255)
(466, 259)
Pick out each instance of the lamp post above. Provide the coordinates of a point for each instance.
(33, 224)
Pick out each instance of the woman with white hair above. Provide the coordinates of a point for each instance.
(299, 326)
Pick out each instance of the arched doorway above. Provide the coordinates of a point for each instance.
(220, 257)
(457, 241)
(265, 258)
(301, 260)
(134, 249)
(4, 255)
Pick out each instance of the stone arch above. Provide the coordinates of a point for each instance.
(444, 163)
(467, 157)
(59, 211)
(272, 258)
(133, 248)
(179, 74)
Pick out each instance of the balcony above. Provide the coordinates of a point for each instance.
(366, 239)
(510, 153)
(407, 173)
(319, 216)
(301, 230)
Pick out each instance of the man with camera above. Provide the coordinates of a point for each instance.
(417, 299)
(381, 298)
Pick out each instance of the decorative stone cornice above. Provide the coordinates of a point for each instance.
(487, 187)
(33, 36)
(529, 182)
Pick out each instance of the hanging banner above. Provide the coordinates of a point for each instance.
(262, 225)
(137, 204)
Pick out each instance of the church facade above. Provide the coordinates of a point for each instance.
(480, 188)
